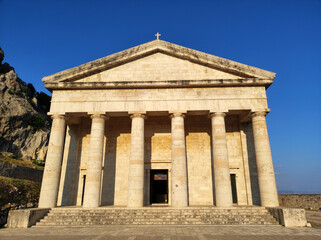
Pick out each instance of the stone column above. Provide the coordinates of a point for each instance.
(51, 175)
(95, 160)
(222, 179)
(179, 165)
(265, 171)
(136, 162)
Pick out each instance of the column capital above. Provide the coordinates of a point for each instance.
(138, 115)
(98, 115)
(217, 114)
(177, 114)
(258, 114)
(57, 116)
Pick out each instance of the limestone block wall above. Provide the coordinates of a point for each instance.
(157, 150)
(158, 67)
(199, 160)
(307, 201)
(249, 153)
(116, 163)
(170, 99)
(235, 155)
(82, 157)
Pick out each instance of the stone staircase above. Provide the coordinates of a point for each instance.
(72, 216)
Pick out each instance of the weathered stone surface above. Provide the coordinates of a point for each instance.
(94, 163)
(289, 217)
(51, 176)
(19, 117)
(25, 218)
(158, 216)
(265, 171)
(136, 161)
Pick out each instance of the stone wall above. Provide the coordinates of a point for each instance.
(307, 201)
(15, 171)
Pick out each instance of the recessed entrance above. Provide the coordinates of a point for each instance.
(158, 186)
(83, 189)
(233, 185)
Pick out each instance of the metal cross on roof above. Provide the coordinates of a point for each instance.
(157, 35)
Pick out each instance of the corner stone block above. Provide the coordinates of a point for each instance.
(289, 217)
(25, 218)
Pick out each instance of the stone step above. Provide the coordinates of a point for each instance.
(153, 217)
(54, 218)
(153, 212)
(157, 216)
(157, 209)
(156, 223)
(154, 209)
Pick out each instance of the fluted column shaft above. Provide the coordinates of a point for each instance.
(265, 171)
(51, 175)
(95, 160)
(179, 165)
(222, 180)
(136, 162)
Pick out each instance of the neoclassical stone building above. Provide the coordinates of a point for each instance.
(159, 124)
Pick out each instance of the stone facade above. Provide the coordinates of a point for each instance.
(198, 119)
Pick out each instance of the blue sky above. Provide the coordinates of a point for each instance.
(40, 38)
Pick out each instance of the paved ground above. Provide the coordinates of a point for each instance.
(162, 233)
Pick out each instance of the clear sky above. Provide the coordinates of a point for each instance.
(40, 38)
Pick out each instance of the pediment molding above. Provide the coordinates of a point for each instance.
(248, 75)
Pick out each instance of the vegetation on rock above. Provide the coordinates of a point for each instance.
(24, 124)
(13, 159)
(24, 135)
(18, 192)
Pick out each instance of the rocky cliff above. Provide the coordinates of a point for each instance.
(24, 125)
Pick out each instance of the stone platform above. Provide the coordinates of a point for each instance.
(72, 216)
(139, 232)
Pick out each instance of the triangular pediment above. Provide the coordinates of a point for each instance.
(158, 63)
(158, 67)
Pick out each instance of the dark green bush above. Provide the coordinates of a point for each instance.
(24, 89)
(43, 100)
(31, 90)
(13, 92)
(40, 163)
(37, 122)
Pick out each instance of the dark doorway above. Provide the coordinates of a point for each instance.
(233, 184)
(158, 186)
(83, 189)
